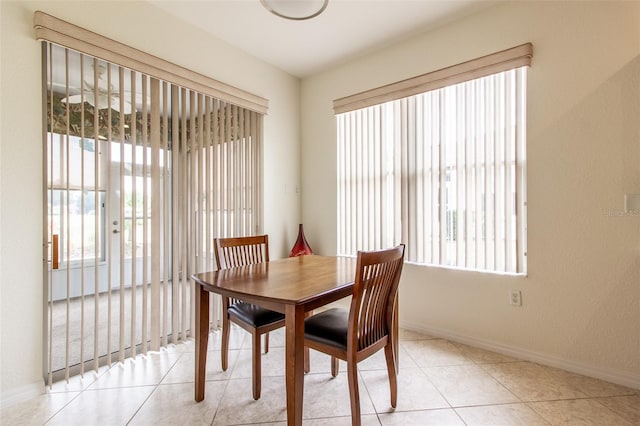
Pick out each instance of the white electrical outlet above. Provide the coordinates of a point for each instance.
(632, 203)
(515, 297)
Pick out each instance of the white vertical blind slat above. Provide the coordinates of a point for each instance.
(362, 192)
(176, 209)
(82, 216)
(155, 207)
(410, 137)
(430, 203)
(500, 162)
(134, 215)
(48, 147)
(379, 177)
(67, 216)
(224, 166)
(207, 231)
(258, 172)
(121, 284)
(184, 215)
(198, 161)
(521, 172)
(217, 160)
(349, 236)
(340, 185)
(420, 190)
(165, 236)
(442, 178)
(509, 129)
(207, 183)
(470, 169)
(242, 158)
(457, 221)
(362, 184)
(235, 193)
(491, 173)
(96, 227)
(479, 174)
(193, 204)
(248, 172)
(144, 142)
(109, 219)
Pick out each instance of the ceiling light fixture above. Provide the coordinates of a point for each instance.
(297, 10)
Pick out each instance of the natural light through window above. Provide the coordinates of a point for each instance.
(442, 171)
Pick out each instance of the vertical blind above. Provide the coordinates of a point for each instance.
(442, 171)
(140, 175)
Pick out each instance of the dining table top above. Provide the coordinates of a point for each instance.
(290, 281)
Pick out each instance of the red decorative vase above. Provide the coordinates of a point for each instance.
(301, 247)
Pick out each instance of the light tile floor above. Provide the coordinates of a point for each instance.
(440, 383)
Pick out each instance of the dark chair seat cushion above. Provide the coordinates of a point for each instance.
(253, 314)
(328, 327)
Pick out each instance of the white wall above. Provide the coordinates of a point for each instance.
(144, 27)
(581, 299)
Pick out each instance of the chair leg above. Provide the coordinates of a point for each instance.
(352, 374)
(226, 325)
(307, 356)
(266, 342)
(389, 353)
(334, 366)
(307, 360)
(256, 364)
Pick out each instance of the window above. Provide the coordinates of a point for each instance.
(70, 221)
(442, 171)
(74, 214)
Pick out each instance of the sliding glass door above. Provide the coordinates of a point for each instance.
(140, 176)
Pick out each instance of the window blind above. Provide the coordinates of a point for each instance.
(443, 171)
(141, 174)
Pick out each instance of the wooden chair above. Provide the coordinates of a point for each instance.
(369, 324)
(230, 253)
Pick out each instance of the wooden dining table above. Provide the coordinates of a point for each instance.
(293, 286)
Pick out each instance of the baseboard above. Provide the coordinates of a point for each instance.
(21, 394)
(613, 376)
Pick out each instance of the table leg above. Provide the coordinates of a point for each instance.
(294, 319)
(202, 339)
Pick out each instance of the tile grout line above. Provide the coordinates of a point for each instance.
(599, 400)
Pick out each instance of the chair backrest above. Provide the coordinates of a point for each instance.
(240, 251)
(374, 294)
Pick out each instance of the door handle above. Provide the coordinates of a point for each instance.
(55, 261)
(116, 231)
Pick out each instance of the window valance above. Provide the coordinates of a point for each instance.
(481, 67)
(57, 31)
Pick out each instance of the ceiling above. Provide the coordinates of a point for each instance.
(347, 28)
